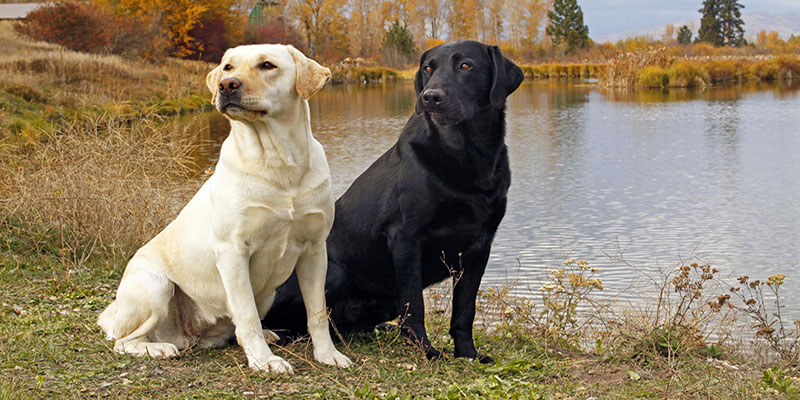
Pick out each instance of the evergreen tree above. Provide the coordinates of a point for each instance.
(566, 25)
(684, 35)
(710, 30)
(398, 46)
(399, 38)
(722, 23)
(731, 23)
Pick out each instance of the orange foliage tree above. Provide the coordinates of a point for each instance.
(322, 26)
(177, 19)
(463, 18)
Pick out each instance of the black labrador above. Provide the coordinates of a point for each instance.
(426, 210)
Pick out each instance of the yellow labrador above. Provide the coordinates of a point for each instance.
(265, 212)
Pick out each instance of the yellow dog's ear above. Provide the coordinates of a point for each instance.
(311, 76)
(212, 81)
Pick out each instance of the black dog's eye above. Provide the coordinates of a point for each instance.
(427, 68)
(266, 65)
(465, 66)
(227, 67)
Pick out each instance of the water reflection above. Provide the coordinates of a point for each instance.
(666, 175)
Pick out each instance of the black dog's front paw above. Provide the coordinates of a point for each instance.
(484, 359)
(433, 354)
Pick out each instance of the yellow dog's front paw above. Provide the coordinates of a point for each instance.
(273, 364)
(333, 357)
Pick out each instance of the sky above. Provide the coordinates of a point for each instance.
(606, 17)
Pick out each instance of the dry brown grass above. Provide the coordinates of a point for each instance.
(100, 179)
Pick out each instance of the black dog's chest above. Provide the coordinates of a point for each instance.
(459, 228)
(458, 219)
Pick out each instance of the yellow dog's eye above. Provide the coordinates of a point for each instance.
(267, 65)
(227, 67)
(465, 66)
(427, 68)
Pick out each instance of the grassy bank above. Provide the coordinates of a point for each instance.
(50, 347)
(43, 87)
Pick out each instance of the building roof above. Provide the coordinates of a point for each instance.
(17, 10)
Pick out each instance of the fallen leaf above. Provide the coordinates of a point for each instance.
(634, 376)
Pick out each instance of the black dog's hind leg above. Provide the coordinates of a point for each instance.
(407, 258)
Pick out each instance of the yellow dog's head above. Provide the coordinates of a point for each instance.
(260, 81)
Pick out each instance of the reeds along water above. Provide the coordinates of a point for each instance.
(554, 71)
(660, 69)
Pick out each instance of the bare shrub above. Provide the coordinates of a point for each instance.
(562, 311)
(102, 178)
(687, 317)
(71, 24)
(85, 27)
(768, 323)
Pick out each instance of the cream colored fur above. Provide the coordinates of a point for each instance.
(265, 212)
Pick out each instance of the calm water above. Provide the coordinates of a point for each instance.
(710, 176)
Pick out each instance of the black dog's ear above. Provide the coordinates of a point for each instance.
(418, 82)
(506, 77)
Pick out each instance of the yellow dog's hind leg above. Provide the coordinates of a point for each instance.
(142, 304)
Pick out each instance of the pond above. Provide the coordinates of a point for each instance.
(662, 176)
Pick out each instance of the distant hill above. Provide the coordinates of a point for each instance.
(784, 24)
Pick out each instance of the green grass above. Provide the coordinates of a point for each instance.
(50, 347)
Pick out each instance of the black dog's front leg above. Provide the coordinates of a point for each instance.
(407, 259)
(464, 296)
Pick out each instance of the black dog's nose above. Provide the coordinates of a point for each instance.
(229, 85)
(432, 97)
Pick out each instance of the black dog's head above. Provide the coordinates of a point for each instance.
(457, 79)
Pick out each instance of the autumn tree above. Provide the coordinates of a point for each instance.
(178, 20)
(491, 21)
(524, 21)
(462, 19)
(669, 33)
(684, 35)
(86, 27)
(365, 28)
(69, 24)
(566, 25)
(322, 26)
(432, 13)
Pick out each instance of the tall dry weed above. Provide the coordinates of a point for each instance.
(681, 315)
(622, 70)
(101, 179)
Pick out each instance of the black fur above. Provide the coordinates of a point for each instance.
(426, 210)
